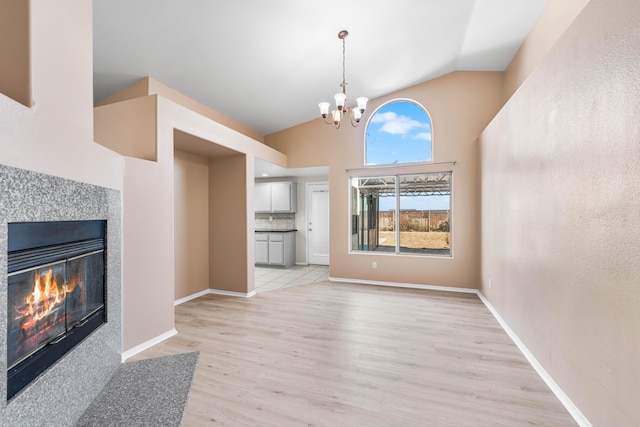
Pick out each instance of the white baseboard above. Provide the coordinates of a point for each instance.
(555, 388)
(573, 410)
(148, 344)
(232, 294)
(405, 285)
(190, 297)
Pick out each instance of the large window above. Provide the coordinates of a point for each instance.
(402, 214)
(398, 132)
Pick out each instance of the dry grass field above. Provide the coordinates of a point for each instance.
(417, 240)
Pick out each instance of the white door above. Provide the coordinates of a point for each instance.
(318, 224)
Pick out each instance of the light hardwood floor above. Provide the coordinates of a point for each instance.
(334, 354)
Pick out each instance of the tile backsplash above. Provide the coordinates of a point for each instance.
(280, 221)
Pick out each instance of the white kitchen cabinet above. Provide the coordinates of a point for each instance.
(262, 197)
(262, 248)
(282, 199)
(276, 248)
(275, 197)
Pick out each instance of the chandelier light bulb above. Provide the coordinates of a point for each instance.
(336, 117)
(340, 100)
(324, 109)
(362, 104)
(357, 115)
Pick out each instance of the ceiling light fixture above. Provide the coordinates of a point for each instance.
(342, 109)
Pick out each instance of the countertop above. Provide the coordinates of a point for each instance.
(263, 230)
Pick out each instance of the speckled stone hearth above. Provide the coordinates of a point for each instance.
(62, 393)
(150, 392)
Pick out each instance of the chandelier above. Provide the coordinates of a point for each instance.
(342, 109)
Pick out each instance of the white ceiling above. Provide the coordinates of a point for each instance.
(267, 64)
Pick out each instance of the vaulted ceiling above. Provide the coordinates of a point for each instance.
(267, 64)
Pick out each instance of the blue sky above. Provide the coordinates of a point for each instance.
(399, 132)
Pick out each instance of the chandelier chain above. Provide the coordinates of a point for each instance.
(344, 61)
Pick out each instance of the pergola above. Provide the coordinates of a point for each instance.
(414, 185)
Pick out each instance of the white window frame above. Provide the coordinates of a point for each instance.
(413, 101)
(397, 251)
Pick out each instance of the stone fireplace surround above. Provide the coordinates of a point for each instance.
(62, 393)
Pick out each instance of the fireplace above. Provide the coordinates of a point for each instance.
(61, 393)
(56, 293)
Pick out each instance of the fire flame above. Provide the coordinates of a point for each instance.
(44, 298)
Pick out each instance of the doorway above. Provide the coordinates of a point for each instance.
(318, 223)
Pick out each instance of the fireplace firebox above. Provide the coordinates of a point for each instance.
(56, 293)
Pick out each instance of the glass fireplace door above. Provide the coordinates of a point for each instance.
(36, 310)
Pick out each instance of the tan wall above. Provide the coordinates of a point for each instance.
(305, 144)
(563, 152)
(56, 136)
(131, 138)
(15, 66)
(461, 105)
(191, 233)
(148, 263)
(228, 224)
(552, 23)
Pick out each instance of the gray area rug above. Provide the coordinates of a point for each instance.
(151, 392)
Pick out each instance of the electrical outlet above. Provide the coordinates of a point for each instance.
(490, 283)
(374, 265)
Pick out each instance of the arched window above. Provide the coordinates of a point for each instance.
(398, 132)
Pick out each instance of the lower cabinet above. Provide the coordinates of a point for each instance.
(262, 248)
(277, 249)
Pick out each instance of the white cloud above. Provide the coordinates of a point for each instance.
(384, 117)
(423, 135)
(397, 125)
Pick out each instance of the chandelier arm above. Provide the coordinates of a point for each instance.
(327, 122)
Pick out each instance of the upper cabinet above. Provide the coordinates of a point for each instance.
(262, 197)
(275, 197)
(283, 197)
